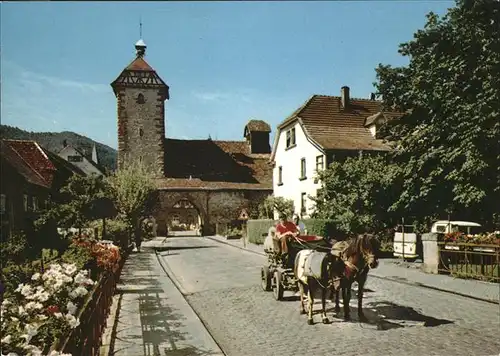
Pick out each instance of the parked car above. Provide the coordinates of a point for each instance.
(447, 226)
(407, 243)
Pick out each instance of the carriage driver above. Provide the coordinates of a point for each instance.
(285, 230)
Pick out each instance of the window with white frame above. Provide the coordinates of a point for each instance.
(34, 203)
(290, 138)
(25, 202)
(280, 175)
(303, 168)
(320, 163)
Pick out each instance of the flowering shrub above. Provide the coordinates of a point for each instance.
(106, 255)
(41, 311)
(492, 238)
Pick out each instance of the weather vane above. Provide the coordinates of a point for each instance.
(140, 27)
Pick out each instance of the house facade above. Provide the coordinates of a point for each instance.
(31, 178)
(77, 158)
(199, 182)
(323, 129)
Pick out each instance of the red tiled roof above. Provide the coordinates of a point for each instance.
(139, 63)
(34, 157)
(334, 127)
(21, 166)
(214, 165)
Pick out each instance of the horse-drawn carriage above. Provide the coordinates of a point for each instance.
(278, 274)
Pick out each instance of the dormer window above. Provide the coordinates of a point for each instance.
(141, 132)
(140, 99)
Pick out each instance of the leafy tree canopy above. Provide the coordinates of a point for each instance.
(357, 193)
(447, 143)
(278, 204)
(131, 188)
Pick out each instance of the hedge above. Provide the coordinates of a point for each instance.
(255, 229)
(321, 227)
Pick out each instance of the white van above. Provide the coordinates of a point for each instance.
(447, 226)
(408, 241)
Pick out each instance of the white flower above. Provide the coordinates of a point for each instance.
(19, 287)
(42, 296)
(58, 315)
(35, 277)
(7, 339)
(72, 308)
(41, 317)
(33, 350)
(57, 353)
(30, 331)
(72, 321)
(70, 269)
(21, 311)
(14, 319)
(27, 290)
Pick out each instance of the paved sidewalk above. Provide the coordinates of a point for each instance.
(153, 317)
(395, 270)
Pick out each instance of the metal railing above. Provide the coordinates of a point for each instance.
(468, 260)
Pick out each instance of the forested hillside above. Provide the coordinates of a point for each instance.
(53, 141)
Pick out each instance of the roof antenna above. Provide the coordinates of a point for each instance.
(140, 27)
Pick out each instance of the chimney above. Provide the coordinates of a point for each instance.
(344, 96)
(65, 143)
(372, 96)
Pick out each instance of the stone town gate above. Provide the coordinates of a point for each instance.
(206, 207)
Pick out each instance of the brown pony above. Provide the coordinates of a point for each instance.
(359, 256)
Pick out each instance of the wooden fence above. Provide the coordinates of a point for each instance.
(477, 261)
(85, 339)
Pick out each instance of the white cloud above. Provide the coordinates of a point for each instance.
(38, 82)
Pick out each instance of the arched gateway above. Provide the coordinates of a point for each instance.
(183, 216)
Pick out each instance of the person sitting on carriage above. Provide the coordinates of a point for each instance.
(299, 224)
(285, 230)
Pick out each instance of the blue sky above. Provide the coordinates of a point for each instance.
(225, 62)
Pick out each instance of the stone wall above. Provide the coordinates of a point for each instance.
(213, 206)
(141, 127)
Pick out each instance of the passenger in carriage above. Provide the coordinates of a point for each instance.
(299, 224)
(285, 230)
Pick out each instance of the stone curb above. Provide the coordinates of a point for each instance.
(415, 284)
(184, 293)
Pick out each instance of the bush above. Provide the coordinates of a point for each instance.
(274, 204)
(15, 248)
(116, 231)
(255, 229)
(322, 227)
(80, 256)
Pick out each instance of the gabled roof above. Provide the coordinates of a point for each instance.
(21, 166)
(214, 165)
(89, 160)
(35, 157)
(331, 126)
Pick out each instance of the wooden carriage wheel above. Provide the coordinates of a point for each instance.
(265, 279)
(278, 285)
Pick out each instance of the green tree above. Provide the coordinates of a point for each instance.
(357, 193)
(447, 143)
(77, 205)
(278, 204)
(131, 189)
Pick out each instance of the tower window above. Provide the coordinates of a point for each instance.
(141, 132)
(140, 99)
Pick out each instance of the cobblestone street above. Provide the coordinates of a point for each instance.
(222, 285)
